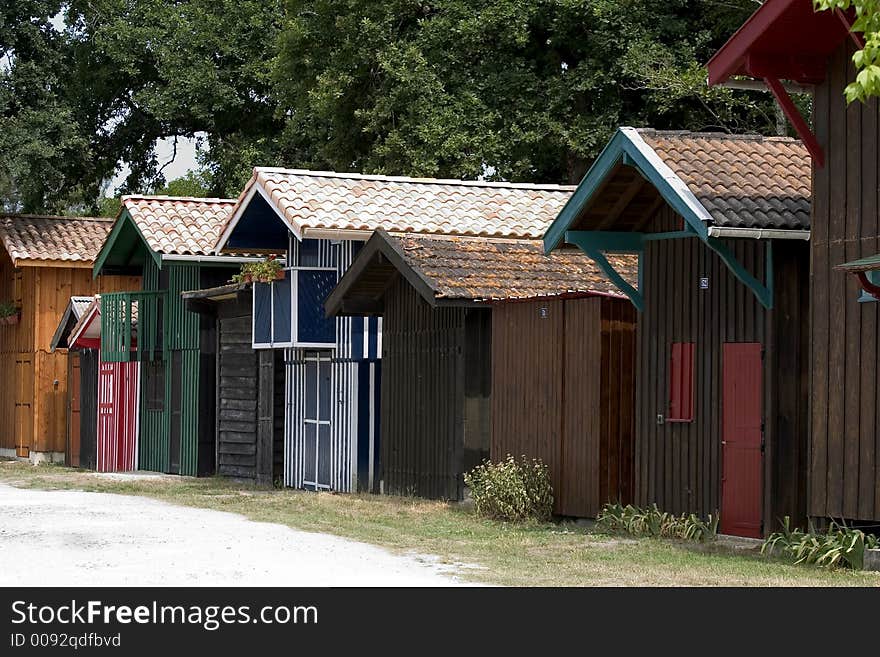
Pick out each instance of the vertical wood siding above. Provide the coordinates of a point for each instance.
(117, 436)
(33, 409)
(845, 360)
(358, 350)
(88, 368)
(563, 391)
(678, 465)
(422, 410)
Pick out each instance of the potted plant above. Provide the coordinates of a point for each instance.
(9, 313)
(266, 271)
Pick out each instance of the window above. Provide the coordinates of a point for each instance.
(290, 312)
(681, 383)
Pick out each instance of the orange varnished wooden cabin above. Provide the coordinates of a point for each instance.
(44, 261)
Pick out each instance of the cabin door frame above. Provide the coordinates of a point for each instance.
(742, 439)
(316, 419)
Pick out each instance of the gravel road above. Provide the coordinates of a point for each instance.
(72, 538)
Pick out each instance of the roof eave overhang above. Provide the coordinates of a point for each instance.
(107, 248)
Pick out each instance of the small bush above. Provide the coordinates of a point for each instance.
(839, 547)
(511, 489)
(629, 519)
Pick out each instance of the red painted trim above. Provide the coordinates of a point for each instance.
(792, 114)
(88, 343)
(725, 62)
(868, 286)
(858, 39)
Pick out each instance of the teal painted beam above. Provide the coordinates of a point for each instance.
(762, 292)
(605, 240)
(619, 281)
(673, 235)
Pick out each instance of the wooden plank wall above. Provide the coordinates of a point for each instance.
(422, 408)
(528, 352)
(678, 465)
(36, 406)
(563, 391)
(237, 400)
(845, 358)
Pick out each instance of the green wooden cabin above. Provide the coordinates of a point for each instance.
(169, 242)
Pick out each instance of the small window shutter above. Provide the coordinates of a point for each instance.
(281, 310)
(681, 382)
(313, 327)
(262, 314)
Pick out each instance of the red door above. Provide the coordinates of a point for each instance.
(741, 438)
(117, 416)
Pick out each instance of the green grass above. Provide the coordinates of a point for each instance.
(484, 551)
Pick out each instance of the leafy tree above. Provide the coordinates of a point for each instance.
(866, 60)
(513, 89)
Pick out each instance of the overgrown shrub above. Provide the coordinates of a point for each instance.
(629, 519)
(839, 547)
(511, 489)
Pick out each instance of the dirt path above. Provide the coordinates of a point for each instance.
(72, 538)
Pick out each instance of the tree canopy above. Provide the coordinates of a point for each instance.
(866, 60)
(505, 89)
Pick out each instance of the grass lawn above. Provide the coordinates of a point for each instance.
(493, 552)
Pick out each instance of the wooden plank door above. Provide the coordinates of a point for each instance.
(316, 418)
(741, 439)
(24, 404)
(73, 410)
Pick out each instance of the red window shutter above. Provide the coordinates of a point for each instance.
(681, 382)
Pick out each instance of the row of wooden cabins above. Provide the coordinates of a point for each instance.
(671, 340)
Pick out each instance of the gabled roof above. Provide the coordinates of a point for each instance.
(88, 327)
(713, 180)
(33, 240)
(164, 226)
(466, 271)
(76, 308)
(314, 201)
(785, 39)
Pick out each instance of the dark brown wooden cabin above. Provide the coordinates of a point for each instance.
(473, 364)
(795, 44)
(720, 227)
(250, 388)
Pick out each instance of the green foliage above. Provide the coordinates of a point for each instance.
(839, 547)
(265, 271)
(629, 519)
(511, 490)
(511, 89)
(8, 309)
(866, 60)
(194, 184)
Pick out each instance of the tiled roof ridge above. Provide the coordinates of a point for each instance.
(177, 199)
(52, 217)
(694, 134)
(413, 180)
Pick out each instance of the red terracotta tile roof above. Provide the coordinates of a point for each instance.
(179, 225)
(477, 268)
(30, 238)
(364, 203)
(743, 181)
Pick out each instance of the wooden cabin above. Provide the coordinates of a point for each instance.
(169, 242)
(720, 225)
(785, 41)
(473, 365)
(333, 367)
(249, 423)
(43, 263)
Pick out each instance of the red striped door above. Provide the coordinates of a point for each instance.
(741, 438)
(118, 385)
